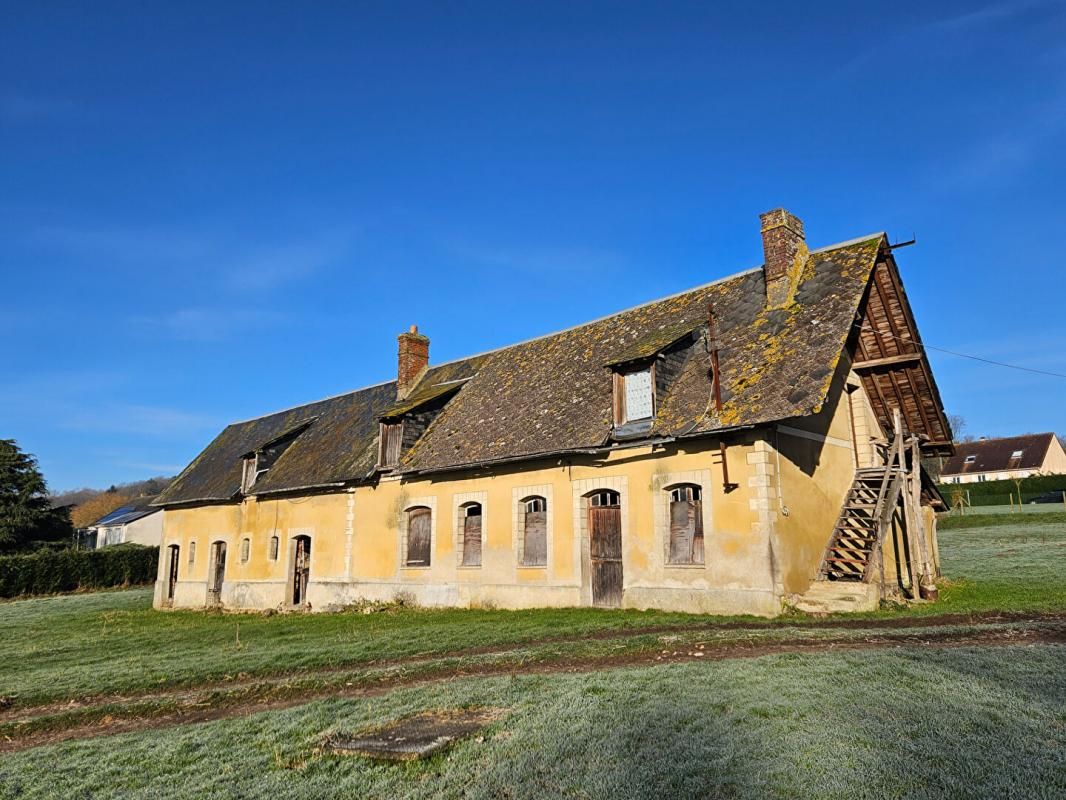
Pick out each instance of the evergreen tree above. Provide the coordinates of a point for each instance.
(26, 515)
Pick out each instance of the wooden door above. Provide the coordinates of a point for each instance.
(218, 573)
(419, 537)
(172, 578)
(605, 539)
(301, 567)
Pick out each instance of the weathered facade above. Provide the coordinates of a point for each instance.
(694, 453)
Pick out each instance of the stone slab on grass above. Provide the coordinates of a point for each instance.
(414, 737)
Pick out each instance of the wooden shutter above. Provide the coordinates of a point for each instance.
(391, 438)
(472, 541)
(682, 529)
(535, 544)
(418, 537)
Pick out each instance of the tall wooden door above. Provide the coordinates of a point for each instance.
(301, 567)
(218, 571)
(605, 539)
(172, 577)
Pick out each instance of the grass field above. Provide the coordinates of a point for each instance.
(887, 723)
(952, 723)
(73, 645)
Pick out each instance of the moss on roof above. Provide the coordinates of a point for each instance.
(554, 393)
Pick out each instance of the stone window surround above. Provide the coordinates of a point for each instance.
(518, 522)
(663, 483)
(580, 490)
(458, 501)
(429, 502)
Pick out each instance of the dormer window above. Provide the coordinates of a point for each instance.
(634, 395)
(390, 443)
(257, 463)
(1016, 454)
(251, 473)
(971, 459)
(639, 401)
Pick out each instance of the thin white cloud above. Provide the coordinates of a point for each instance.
(206, 324)
(142, 420)
(1007, 152)
(533, 260)
(17, 109)
(158, 469)
(226, 261)
(270, 267)
(942, 33)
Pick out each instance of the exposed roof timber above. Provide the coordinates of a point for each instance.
(888, 361)
(892, 363)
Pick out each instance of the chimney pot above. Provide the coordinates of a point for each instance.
(413, 361)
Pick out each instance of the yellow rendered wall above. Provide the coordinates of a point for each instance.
(755, 552)
(815, 473)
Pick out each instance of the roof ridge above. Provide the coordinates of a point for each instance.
(716, 281)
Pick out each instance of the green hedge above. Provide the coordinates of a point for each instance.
(998, 493)
(48, 572)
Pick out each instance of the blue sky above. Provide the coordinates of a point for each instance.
(212, 211)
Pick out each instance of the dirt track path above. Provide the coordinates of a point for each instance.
(126, 713)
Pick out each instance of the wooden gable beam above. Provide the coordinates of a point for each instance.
(888, 361)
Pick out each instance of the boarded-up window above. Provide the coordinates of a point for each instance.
(246, 550)
(535, 532)
(192, 553)
(471, 516)
(638, 395)
(273, 548)
(686, 525)
(418, 536)
(391, 439)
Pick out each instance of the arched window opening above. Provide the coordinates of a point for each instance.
(535, 532)
(273, 552)
(246, 550)
(301, 569)
(217, 572)
(470, 515)
(686, 524)
(172, 570)
(419, 536)
(604, 498)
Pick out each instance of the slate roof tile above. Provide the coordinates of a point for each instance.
(554, 393)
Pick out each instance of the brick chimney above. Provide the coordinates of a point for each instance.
(784, 252)
(413, 361)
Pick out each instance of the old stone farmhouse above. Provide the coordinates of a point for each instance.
(748, 444)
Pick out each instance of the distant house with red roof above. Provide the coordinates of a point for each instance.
(1009, 457)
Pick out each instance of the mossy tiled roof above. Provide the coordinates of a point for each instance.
(554, 393)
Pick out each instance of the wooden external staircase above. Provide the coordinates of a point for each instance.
(854, 546)
(851, 576)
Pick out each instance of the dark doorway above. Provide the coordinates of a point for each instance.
(605, 540)
(217, 572)
(301, 570)
(172, 572)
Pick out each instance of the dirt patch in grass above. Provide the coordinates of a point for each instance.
(202, 706)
